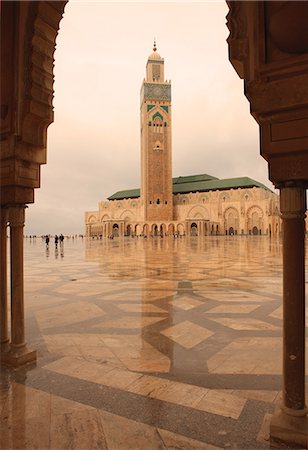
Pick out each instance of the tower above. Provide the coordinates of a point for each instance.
(156, 155)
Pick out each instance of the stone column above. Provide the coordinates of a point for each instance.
(291, 423)
(4, 335)
(19, 353)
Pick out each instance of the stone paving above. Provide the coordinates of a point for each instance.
(148, 344)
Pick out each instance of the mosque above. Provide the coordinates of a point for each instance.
(186, 205)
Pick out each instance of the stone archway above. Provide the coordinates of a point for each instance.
(171, 229)
(193, 229)
(181, 229)
(231, 220)
(28, 35)
(115, 230)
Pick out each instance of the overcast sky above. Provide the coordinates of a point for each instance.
(94, 143)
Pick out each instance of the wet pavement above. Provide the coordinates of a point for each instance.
(148, 344)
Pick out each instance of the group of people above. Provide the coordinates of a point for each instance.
(58, 239)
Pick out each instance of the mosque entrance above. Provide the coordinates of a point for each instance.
(128, 230)
(115, 230)
(231, 231)
(255, 231)
(194, 229)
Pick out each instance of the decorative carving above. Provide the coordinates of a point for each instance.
(237, 40)
(154, 91)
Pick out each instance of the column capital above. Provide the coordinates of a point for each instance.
(3, 215)
(292, 201)
(16, 215)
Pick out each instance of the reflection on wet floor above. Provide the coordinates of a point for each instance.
(175, 342)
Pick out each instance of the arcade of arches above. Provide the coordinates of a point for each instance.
(268, 48)
(239, 211)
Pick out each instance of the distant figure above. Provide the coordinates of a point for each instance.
(56, 240)
(61, 238)
(47, 240)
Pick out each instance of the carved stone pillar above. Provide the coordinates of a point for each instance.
(291, 423)
(19, 353)
(4, 336)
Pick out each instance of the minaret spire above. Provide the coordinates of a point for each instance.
(154, 46)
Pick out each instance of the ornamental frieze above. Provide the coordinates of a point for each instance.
(154, 91)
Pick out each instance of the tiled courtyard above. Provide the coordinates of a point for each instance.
(148, 344)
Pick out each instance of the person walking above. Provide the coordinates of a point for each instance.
(47, 240)
(56, 240)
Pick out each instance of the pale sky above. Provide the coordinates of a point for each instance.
(94, 143)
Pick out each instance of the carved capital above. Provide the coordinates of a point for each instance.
(4, 218)
(292, 201)
(16, 215)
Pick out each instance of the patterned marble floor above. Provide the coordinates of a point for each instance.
(148, 344)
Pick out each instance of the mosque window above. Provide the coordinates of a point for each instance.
(166, 203)
(156, 72)
(158, 201)
(165, 124)
(150, 123)
(150, 202)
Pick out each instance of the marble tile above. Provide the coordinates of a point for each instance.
(232, 309)
(147, 385)
(82, 369)
(187, 334)
(133, 285)
(244, 323)
(78, 430)
(244, 355)
(177, 442)
(68, 314)
(117, 378)
(221, 403)
(128, 322)
(179, 393)
(29, 433)
(126, 434)
(257, 394)
(185, 302)
(61, 406)
(141, 308)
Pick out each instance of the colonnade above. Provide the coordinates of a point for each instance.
(14, 350)
(290, 422)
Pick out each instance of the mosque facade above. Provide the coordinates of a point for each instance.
(186, 205)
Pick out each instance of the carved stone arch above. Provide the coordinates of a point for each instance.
(254, 209)
(28, 29)
(180, 228)
(198, 212)
(105, 217)
(231, 210)
(127, 215)
(171, 228)
(92, 219)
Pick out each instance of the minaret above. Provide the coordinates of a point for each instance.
(156, 168)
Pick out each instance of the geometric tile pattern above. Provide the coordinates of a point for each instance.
(177, 343)
(187, 334)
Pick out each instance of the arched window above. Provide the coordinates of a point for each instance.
(158, 201)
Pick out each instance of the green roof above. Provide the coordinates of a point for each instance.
(193, 178)
(213, 185)
(197, 183)
(120, 195)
